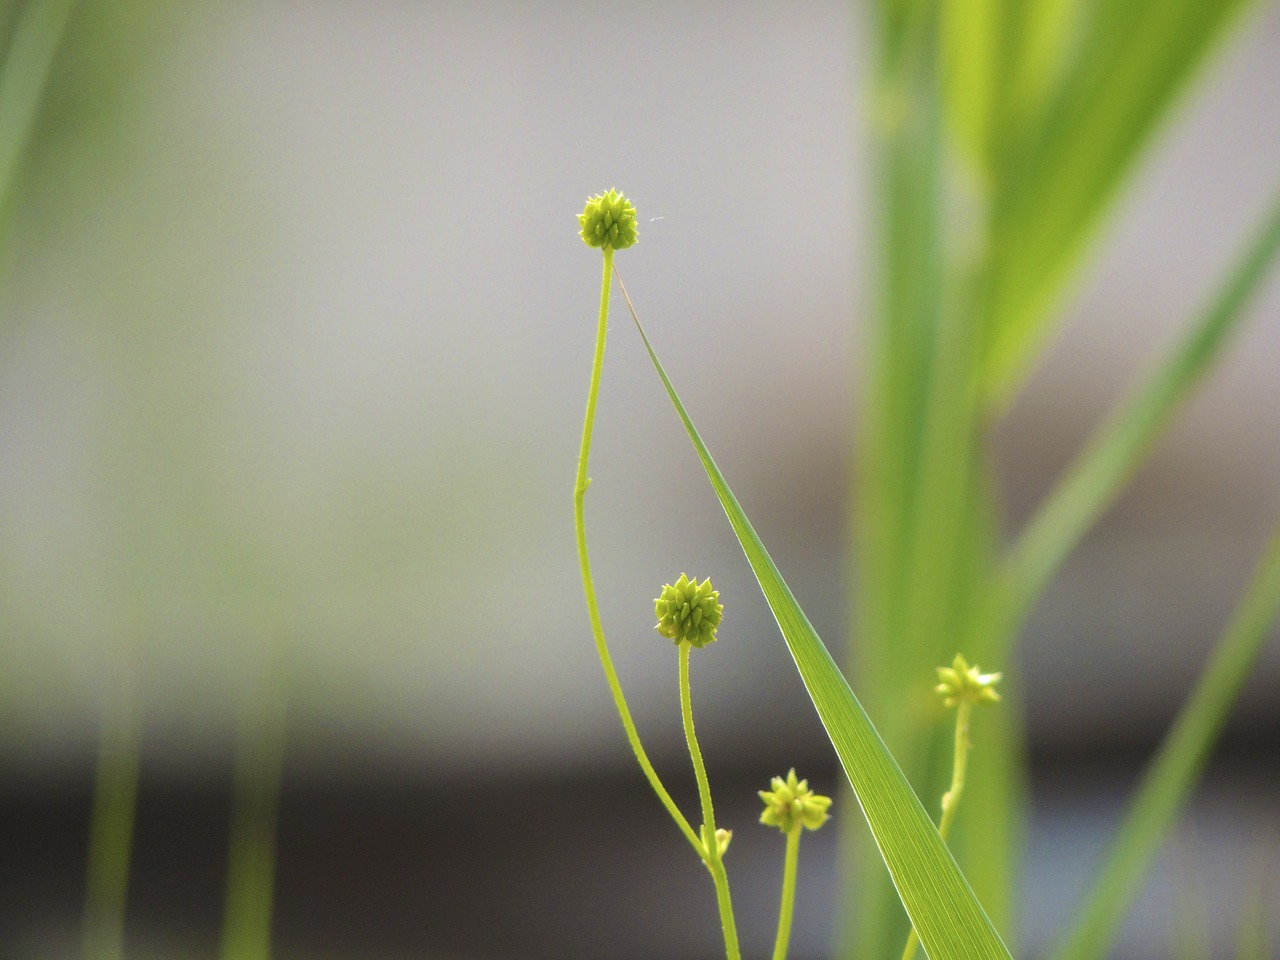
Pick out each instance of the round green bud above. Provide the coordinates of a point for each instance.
(961, 683)
(688, 611)
(609, 220)
(791, 802)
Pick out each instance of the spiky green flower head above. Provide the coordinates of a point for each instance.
(609, 220)
(791, 802)
(961, 683)
(689, 611)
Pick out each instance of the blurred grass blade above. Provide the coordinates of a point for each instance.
(1171, 775)
(251, 860)
(1038, 48)
(1135, 59)
(1252, 927)
(115, 804)
(1119, 446)
(904, 360)
(30, 52)
(968, 40)
(946, 915)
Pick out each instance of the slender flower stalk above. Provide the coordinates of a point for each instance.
(787, 908)
(791, 807)
(960, 686)
(714, 855)
(608, 222)
(688, 611)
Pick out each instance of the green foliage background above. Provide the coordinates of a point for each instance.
(1004, 133)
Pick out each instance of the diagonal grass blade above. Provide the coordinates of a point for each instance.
(946, 914)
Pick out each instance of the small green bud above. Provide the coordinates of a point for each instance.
(961, 683)
(791, 802)
(689, 611)
(609, 220)
(723, 837)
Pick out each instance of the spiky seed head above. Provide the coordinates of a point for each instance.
(961, 683)
(688, 611)
(609, 220)
(791, 802)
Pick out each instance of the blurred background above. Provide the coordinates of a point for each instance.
(295, 334)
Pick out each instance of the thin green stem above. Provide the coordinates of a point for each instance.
(588, 586)
(712, 858)
(721, 879)
(950, 799)
(788, 893)
(699, 768)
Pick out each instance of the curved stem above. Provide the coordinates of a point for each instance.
(593, 609)
(712, 858)
(951, 800)
(699, 768)
(788, 893)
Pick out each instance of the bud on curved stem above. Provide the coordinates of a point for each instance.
(592, 218)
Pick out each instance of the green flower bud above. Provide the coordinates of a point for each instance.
(609, 220)
(961, 683)
(689, 611)
(791, 802)
(723, 837)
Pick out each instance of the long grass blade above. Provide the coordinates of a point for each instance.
(1120, 445)
(909, 428)
(946, 914)
(1173, 772)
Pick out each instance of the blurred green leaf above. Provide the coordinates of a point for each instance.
(1133, 62)
(1119, 447)
(23, 75)
(1172, 774)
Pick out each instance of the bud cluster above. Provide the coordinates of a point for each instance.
(609, 220)
(961, 683)
(689, 611)
(791, 802)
